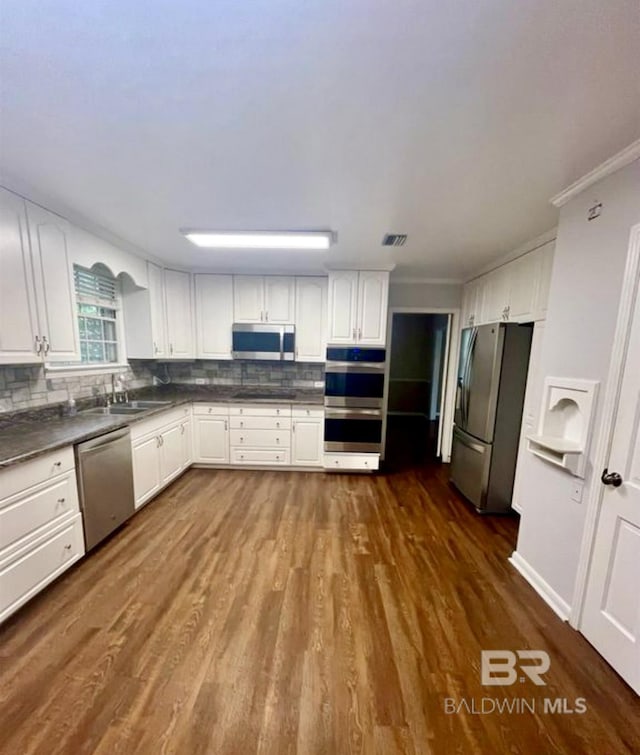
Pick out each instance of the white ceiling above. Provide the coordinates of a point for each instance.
(452, 122)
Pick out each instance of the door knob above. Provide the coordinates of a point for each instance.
(611, 478)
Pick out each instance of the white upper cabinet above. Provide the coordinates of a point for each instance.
(214, 316)
(179, 314)
(358, 307)
(18, 316)
(248, 298)
(258, 298)
(515, 292)
(159, 344)
(36, 286)
(373, 295)
(279, 297)
(311, 319)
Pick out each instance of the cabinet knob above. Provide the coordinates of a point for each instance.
(61, 500)
(241, 424)
(57, 463)
(67, 547)
(277, 424)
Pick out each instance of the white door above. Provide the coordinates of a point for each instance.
(156, 303)
(146, 468)
(524, 277)
(55, 291)
(211, 440)
(307, 442)
(611, 618)
(495, 294)
(214, 316)
(248, 298)
(177, 291)
(311, 319)
(279, 297)
(171, 453)
(343, 307)
(373, 294)
(187, 451)
(18, 322)
(544, 280)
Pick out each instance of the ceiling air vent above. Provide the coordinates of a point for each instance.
(394, 239)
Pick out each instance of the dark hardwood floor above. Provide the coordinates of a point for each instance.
(279, 612)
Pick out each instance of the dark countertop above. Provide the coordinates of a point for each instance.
(26, 435)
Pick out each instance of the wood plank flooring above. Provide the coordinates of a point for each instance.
(273, 612)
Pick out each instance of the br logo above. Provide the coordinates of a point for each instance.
(502, 667)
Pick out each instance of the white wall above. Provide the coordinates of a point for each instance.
(583, 306)
(445, 295)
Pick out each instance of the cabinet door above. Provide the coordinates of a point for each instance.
(524, 277)
(307, 442)
(187, 444)
(495, 294)
(279, 297)
(373, 294)
(55, 291)
(472, 303)
(248, 298)
(311, 319)
(211, 440)
(156, 304)
(179, 309)
(214, 316)
(18, 323)
(343, 305)
(171, 453)
(544, 280)
(146, 469)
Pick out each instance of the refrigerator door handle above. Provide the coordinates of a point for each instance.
(467, 375)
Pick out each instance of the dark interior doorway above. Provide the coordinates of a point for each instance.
(416, 383)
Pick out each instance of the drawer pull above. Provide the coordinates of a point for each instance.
(277, 458)
(67, 547)
(61, 500)
(242, 456)
(209, 410)
(241, 440)
(277, 424)
(57, 463)
(241, 424)
(277, 440)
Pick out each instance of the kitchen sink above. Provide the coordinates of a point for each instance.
(115, 409)
(145, 404)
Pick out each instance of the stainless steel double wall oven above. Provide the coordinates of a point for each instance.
(353, 397)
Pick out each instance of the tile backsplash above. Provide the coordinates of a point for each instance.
(26, 387)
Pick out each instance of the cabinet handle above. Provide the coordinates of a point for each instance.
(261, 316)
(277, 411)
(209, 410)
(354, 334)
(277, 440)
(293, 427)
(171, 349)
(225, 424)
(241, 440)
(38, 345)
(277, 458)
(359, 333)
(155, 347)
(277, 424)
(45, 345)
(241, 423)
(157, 441)
(67, 547)
(296, 353)
(61, 500)
(181, 429)
(57, 463)
(266, 316)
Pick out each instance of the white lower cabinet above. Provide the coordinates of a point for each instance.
(161, 450)
(260, 435)
(307, 437)
(210, 434)
(352, 462)
(40, 526)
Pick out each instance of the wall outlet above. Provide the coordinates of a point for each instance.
(200, 381)
(318, 383)
(576, 491)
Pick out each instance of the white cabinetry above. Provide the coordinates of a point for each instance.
(515, 292)
(161, 450)
(159, 319)
(37, 297)
(214, 316)
(40, 526)
(267, 298)
(358, 307)
(311, 319)
(307, 431)
(211, 434)
(260, 435)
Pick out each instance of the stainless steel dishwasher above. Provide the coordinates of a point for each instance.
(105, 484)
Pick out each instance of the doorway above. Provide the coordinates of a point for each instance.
(416, 388)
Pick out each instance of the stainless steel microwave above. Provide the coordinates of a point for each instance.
(263, 341)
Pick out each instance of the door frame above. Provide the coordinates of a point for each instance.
(629, 294)
(450, 371)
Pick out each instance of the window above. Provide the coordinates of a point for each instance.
(97, 297)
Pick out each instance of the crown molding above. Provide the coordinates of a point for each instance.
(426, 281)
(542, 240)
(625, 157)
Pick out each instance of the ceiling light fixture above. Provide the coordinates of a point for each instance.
(311, 240)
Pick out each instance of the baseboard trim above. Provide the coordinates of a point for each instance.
(543, 588)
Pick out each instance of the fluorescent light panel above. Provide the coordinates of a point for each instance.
(311, 240)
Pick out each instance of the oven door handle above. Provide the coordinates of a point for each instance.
(356, 367)
(352, 413)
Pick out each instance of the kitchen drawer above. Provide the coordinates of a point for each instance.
(260, 410)
(365, 462)
(23, 578)
(158, 421)
(308, 412)
(22, 476)
(259, 456)
(259, 423)
(219, 410)
(44, 504)
(260, 438)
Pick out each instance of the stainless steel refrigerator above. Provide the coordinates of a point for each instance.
(492, 377)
